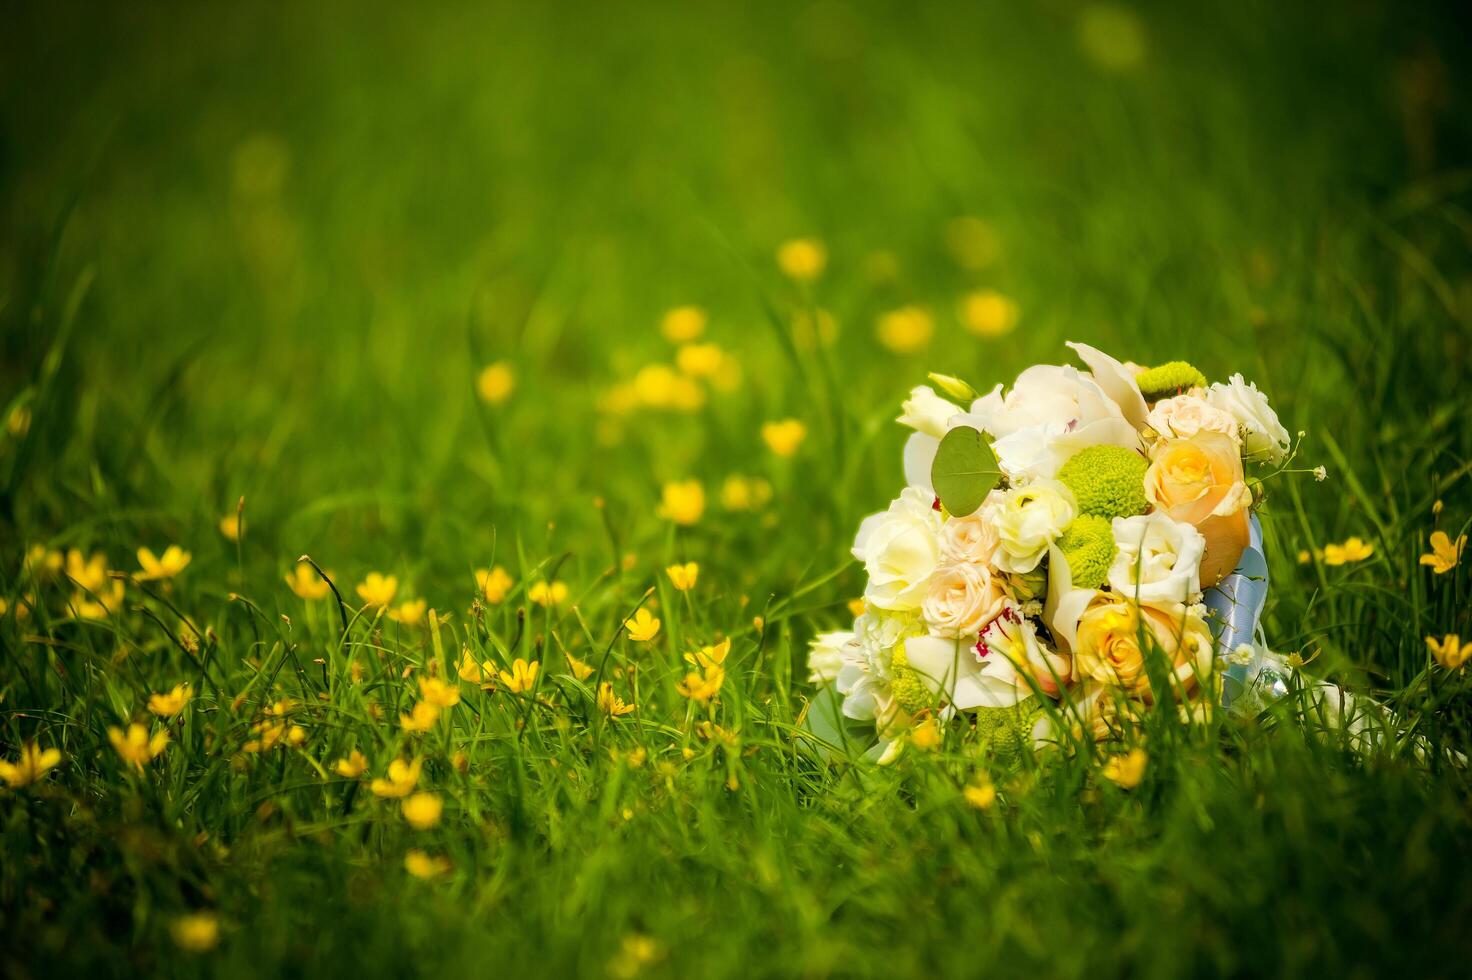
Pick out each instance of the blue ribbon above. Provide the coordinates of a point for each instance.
(1237, 602)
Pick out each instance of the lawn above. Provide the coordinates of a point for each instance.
(485, 303)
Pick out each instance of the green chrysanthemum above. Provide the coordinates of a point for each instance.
(1107, 481)
(1168, 379)
(1088, 545)
(1005, 734)
(908, 689)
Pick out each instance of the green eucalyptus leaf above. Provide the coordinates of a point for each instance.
(964, 471)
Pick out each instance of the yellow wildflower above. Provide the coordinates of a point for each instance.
(682, 502)
(378, 590)
(582, 671)
(521, 676)
(1450, 652)
(471, 671)
(1126, 771)
(439, 693)
(89, 574)
(410, 612)
(197, 932)
(34, 762)
(643, 627)
(136, 747)
(700, 360)
(857, 607)
(495, 383)
(658, 386)
(812, 329)
(802, 259)
(352, 766)
(170, 704)
(41, 560)
(107, 600)
(683, 577)
(421, 719)
(906, 330)
(635, 953)
(494, 583)
(167, 565)
(610, 702)
(422, 810)
(230, 526)
(306, 583)
(547, 595)
(426, 866)
(988, 313)
(1444, 554)
(1351, 550)
(702, 689)
(683, 324)
(926, 735)
(740, 493)
(784, 437)
(710, 656)
(402, 777)
(981, 795)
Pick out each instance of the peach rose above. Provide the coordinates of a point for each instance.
(1109, 645)
(1199, 481)
(963, 598)
(968, 539)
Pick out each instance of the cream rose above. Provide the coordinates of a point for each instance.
(963, 598)
(1264, 435)
(1199, 481)
(900, 549)
(1156, 559)
(828, 652)
(925, 411)
(1027, 520)
(1109, 645)
(969, 538)
(1183, 416)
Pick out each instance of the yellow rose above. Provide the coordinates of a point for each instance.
(1109, 645)
(1199, 481)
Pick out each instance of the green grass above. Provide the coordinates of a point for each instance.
(262, 252)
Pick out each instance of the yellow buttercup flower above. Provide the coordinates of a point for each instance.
(1445, 554)
(683, 577)
(378, 590)
(89, 574)
(981, 795)
(802, 259)
(170, 704)
(402, 777)
(906, 330)
(1126, 771)
(926, 735)
(101, 604)
(582, 671)
(521, 676)
(197, 932)
(1450, 652)
(700, 360)
(306, 583)
(410, 612)
(683, 324)
(165, 566)
(784, 437)
(682, 502)
(611, 703)
(41, 560)
(658, 386)
(494, 583)
(1351, 550)
(495, 383)
(439, 693)
(426, 866)
(421, 718)
(475, 673)
(741, 493)
(230, 527)
(136, 747)
(710, 656)
(34, 762)
(857, 607)
(988, 313)
(643, 627)
(548, 595)
(422, 810)
(702, 688)
(352, 766)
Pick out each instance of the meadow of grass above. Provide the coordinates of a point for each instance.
(255, 260)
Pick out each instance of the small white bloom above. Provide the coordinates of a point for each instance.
(1243, 655)
(1156, 559)
(900, 548)
(925, 411)
(827, 653)
(1264, 435)
(1183, 416)
(1321, 473)
(1027, 520)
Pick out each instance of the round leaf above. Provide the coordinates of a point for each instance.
(964, 471)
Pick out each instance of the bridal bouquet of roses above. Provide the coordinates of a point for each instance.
(1054, 555)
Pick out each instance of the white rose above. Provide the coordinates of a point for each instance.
(1027, 520)
(962, 599)
(969, 538)
(900, 548)
(1156, 559)
(1265, 435)
(925, 411)
(827, 653)
(1183, 416)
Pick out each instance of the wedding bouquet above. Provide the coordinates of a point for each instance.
(1070, 551)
